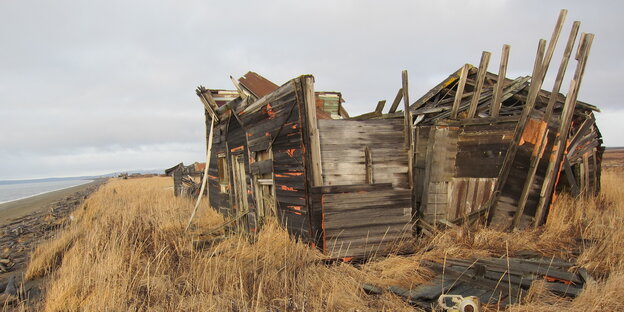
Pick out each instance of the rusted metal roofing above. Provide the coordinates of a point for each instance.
(257, 85)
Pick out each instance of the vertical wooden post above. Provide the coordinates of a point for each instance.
(564, 128)
(483, 65)
(460, 90)
(315, 141)
(500, 83)
(406, 111)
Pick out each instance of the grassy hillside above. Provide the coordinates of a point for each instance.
(127, 250)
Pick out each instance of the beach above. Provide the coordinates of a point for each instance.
(25, 223)
(22, 207)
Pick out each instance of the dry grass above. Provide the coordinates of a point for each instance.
(127, 250)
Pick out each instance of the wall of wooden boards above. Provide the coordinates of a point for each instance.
(342, 151)
(362, 220)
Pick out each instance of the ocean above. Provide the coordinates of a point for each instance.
(14, 190)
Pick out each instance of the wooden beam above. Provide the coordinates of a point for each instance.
(562, 69)
(515, 141)
(380, 106)
(553, 42)
(500, 83)
(483, 65)
(465, 71)
(312, 124)
(396, 102)
(538, 151)
(209, 103)
(570, 175)
(554, 164)
(547, 115)
(407, 123)
(240, 90)
(205, 179)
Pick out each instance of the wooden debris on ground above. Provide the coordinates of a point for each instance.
(496, 282)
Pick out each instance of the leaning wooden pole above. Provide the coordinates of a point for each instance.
(513, 145)
(555, 161)
(406, 110)
(463, 77)
(541, 143)
(483, 65)
(205, 179)
(500, 83)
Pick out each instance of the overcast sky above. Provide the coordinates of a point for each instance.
(91, 87)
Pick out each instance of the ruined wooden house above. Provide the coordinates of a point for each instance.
(477, 146)
(184, 178)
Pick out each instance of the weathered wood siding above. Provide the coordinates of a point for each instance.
(274, 122)
(507, 204)
(362, 220)
(342, 150)
(457, 166)
(467, 195)
(440, 157)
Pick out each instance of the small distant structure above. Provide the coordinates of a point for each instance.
(184, 178)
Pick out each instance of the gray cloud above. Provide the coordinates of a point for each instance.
(100, 86)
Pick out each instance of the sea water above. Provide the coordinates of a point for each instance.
(14, 190)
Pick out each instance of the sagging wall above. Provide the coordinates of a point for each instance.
(456, 166)
(365, 205)
(267, 138)
(343, 151)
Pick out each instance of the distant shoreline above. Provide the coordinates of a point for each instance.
(21, 207)
(45, 192)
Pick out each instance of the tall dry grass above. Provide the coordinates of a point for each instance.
(127, 250)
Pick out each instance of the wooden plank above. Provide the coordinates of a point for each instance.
(380, 106)
(350, 188)
(465, 71)
(552, 44)
(562, 69)
(396, 102)
(564, 127)
(261, 167)
(205, 179)
(312, 124)
(483, 65)
(570, 176)
(498, 90)
(209, 103)
(240, 90)
(407, 122)
(528, 184)
(518, 132)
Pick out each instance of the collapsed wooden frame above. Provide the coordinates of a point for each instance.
(476, 145)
